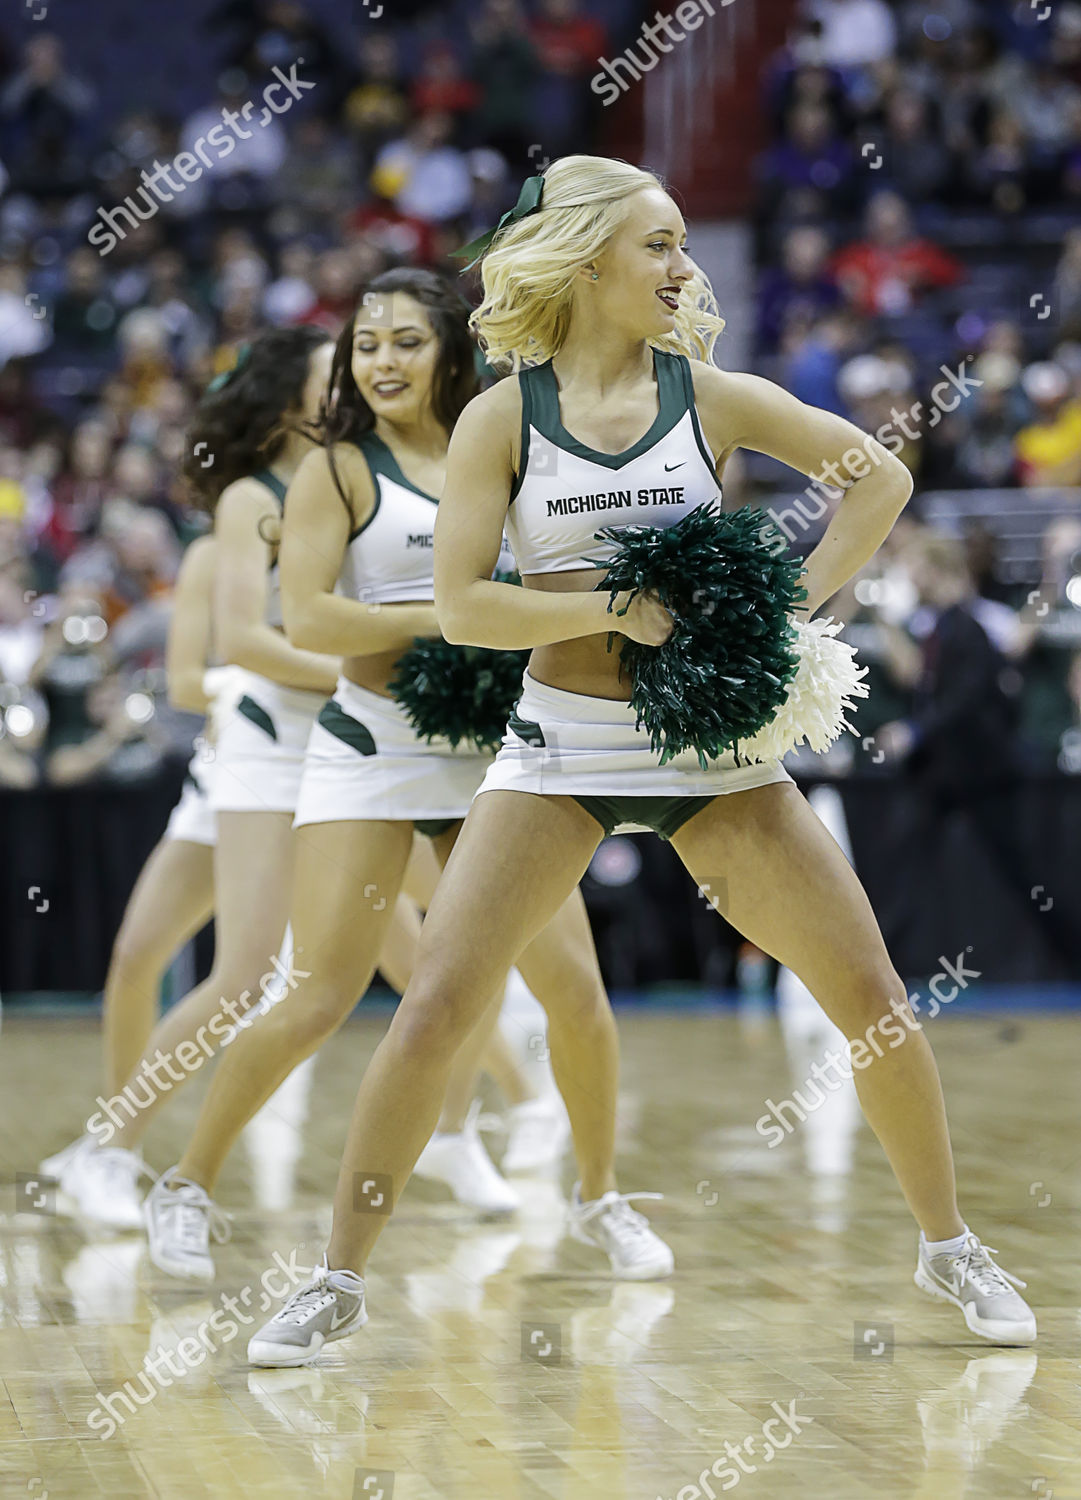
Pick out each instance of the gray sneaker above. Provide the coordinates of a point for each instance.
(328, 1308)
(982, 1290)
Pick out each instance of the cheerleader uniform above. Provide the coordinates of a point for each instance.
(365, 761)
(259, 753)
(562, 743)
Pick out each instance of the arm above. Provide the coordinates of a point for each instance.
(314, 538)
(474, 610)
(746, 411)
(188, 644)
(240, 590)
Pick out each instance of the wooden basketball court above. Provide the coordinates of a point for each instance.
(500, 1359)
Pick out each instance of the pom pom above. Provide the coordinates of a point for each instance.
(817, 698)
(460, 693)
(724, 671)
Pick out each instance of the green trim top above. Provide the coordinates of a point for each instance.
(540, 395)
(382, 461)
(273, 484)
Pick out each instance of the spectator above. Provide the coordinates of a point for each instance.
(506, 69)
(376, 109)
(84, 317)
(427, 178)
(121, 740)
(568, 45)
(44, 107)
(800, 287)
(916, 162)
(1048, 449)
(811, 170)
(317, 176)
(441, 87)
(960, 743)
(892, 267)
(290, 298)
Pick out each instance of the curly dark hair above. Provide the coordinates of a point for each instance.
(239, 422)
(348, 416)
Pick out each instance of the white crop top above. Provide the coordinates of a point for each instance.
(389, 559)
(565, 492)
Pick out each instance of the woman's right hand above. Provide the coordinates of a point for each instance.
(646, 621)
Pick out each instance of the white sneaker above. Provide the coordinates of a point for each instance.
(103, 1184)
(180, 1219)
(329, 1307)
(538, 1134)
(461, 1163)
(636, 1252)
(982, 1290)
(53, 1166)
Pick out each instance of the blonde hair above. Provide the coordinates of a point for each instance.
(530, 270)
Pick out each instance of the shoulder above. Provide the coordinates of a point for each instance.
(197, 563)
(493, 419)
(242, 500)
(498, 409)
(730, 387)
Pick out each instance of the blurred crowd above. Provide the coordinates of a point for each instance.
(919, 271)
(918, 204)
(395, 153)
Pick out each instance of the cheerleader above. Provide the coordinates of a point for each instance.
(357, 580)
(237, 843)
(616, 417)
(172, 899)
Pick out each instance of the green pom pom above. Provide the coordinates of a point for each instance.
(724, 670)
(460, 693)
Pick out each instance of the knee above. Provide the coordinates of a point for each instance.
(137, 948)
(433, 1018)
(872, 1003)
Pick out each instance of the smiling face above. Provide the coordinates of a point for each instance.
(644, 267)
(395, 351)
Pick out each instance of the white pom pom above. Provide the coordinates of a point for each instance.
(827, 681)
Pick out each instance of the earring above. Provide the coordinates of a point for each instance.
(595, 276)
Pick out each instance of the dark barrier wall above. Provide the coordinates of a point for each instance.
(70, 858)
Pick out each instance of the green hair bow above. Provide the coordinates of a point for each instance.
(243, 354)
(529, 201)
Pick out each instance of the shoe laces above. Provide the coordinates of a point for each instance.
(974, 1264)
(308, 1299)
(626, 1221)
(195, 1213)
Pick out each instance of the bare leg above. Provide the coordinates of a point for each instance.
(791, 891)
(338, 934)
(252, 870)
(495, 1057)
(172, 899)
(399, 949)
(516, 861)
(560, 967)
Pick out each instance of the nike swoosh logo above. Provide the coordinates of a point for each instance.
(669, 467)
(336, 1322)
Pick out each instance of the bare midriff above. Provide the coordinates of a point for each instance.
(584, 665)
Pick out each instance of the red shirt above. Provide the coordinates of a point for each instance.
(569, 47)
(881, 280)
